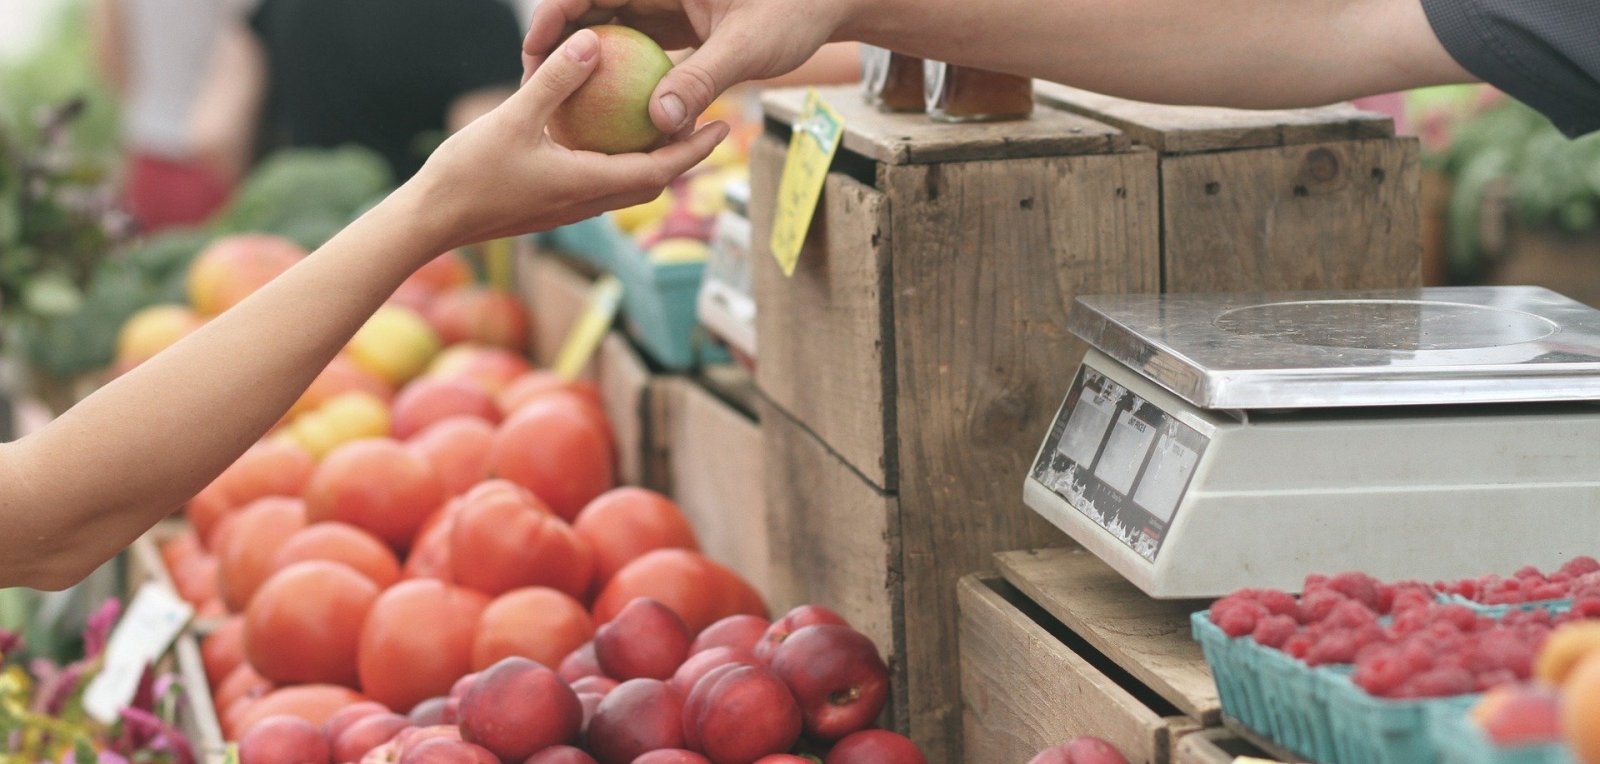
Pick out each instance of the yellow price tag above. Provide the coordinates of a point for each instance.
(590, 328)
(498, 255)
(811, 148)
(230, 755)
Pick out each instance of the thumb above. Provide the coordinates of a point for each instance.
(688, 90)
(559, 75)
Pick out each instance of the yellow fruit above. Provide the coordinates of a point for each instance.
(151, 331)
(679, 251)
(631, 219)
(395, 344)
(1580, 709)
(352, 416)
(1566, 647)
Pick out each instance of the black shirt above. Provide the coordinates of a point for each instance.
(1545, 53)
(379, 73)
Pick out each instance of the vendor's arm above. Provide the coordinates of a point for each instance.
(88, 484)
(1246, 53)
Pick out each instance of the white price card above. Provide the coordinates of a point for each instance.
(151, 623)
(1124, 455)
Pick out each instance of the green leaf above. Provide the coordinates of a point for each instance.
(52, 295)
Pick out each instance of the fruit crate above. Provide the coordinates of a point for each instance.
(1373, 730)
(1459, 741)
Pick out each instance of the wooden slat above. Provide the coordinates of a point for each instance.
(717, 478)
(834, 538)
(1188, 129)
(1214, 746)
(989, 256)
(624, 382)
(197, 716)
(915, 139)
(1260, 741)
(1024, 690)
(1148, 638)
(1342, 215)
(824, 351)
(555, 294)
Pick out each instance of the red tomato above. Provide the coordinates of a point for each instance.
(304, 624)
(377, 485)
(701, 591)
(625, 523)
(541, 624)
(553, 448)
(252, 541)
(340, 542)
(501, 542)
(417, 641)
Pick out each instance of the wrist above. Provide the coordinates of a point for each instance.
(422, 211)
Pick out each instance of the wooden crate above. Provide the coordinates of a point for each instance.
(1060, 646)
(922, 340)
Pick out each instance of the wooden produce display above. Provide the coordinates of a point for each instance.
(913, 361)
(1060, 646)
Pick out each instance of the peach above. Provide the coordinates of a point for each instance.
(377, 485)
(340, 376)
(445, 751)
(427, 401)
(479, 315)
(341, 543)
(304, 623)
(232, 267)
(458, 448)
(367, 733)
(151, 331)
(517, 708)
(341, 721)
(579, 664)
(1082, 750)
(794, 620)
(647, 640)
(610, 112)
(491, 367)
(739, 713)
(396, 344)
(672, 756)
(560, 754)
(623, 524)
(1566, 646)
(248, 549)
(500, 543)
(706, 661)
(1512, 715)
(837, 676)
(736, 631)
(537, 622)
(283, 740)
(641, 715)
(875, 747)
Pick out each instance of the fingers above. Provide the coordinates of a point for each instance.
(552, 21)
(559, 75)
(636, 173)
(691, 86)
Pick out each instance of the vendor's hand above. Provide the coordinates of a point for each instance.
(502, 175)
(737, 40)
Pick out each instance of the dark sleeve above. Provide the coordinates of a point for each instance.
(482, 47)
(1545, 53)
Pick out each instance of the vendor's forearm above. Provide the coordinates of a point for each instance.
(1243, 53)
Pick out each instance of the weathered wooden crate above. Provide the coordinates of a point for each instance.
(1060, 646)
(921, 345)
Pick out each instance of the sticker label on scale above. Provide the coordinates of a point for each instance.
(1119, 460)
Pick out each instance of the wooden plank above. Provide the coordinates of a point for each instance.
(1260, 741)
(555, 294)
(624, 380)
(1214, 746)
(824, 353)
(1148, 638)
(833, 538)
(717, 478)
(197, 715)
(1343, 215)
(1024, 690)
(916, 139)
(1188, 129)
(989, 257)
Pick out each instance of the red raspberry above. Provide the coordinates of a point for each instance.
(1417, 656)
(1548, 591)
(1350, 614)
(1459, 616)
(1502, 649)
(1410, 599)
(1585, 608)
(1528, 571)
(1370, 634)
(1443, 682)
(1279, 603)
(1274, 630)
(1316, 605)
(1334, 647)
(1240, 619)
(1299, 645)
(1314, 582)
(1581, 566)
(1356, 586)
(1488, 680)
(1381, 671)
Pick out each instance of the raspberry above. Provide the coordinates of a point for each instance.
(1547, 591)
(1274, 630)
(1350, 614)
(1335, 647)
(1581, 566)
(1381, 671)
(1410, 599)
(1528, 571)
(1369, 634)
(1443, 682)
(1239, 620)
(1299, 645)
(1417, 656)
(1316, 605)
(1356, 586)
(1502, 649)
(1488, 680)
(1279, 602)
(1584, 608)
(1459, 616)
(1314, 582)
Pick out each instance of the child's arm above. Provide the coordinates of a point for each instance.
(84, 487)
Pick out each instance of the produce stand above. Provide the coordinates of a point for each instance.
(934, 288)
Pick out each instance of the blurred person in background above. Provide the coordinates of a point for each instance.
(153, 54)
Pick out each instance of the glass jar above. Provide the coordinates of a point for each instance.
(891, 81)
(964, 94)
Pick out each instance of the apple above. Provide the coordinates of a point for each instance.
(737, 631)
(704, 662)
(875, 747)
(794, 620)
(641, 715)
(610, 112)
(446, 751)
(739, 713)
(1082, 750)
(517, 708)
(836, 675)
(283, 740)
(367, 733)
(480, 315)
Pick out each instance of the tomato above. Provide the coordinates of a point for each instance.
(535, 384)
(551, 447)
(700, 590)
(446, 271)
(377, 485)
(196, 578)
(625, 523)
(430, 556)
(501, 542)
(417, 641)
(537, 623)
(250, 544)
(304, 624)
(344, 543)
(427, 401)
(315, 703)
(222, 650)
(458, 448)
(270, 468)
(206, 510)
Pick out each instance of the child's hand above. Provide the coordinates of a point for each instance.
(503, 176)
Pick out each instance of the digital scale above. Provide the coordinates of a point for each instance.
(1214, 442)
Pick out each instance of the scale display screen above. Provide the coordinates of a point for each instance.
(1120, 460)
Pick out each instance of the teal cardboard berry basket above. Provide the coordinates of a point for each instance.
(1371, 730)
(594, 241)
(1459, 741)
(659, 309)
(1274, 694)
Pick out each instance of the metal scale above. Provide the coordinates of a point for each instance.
(1213, 442)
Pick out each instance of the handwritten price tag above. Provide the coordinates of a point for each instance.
(811, 149)
(590, 328)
